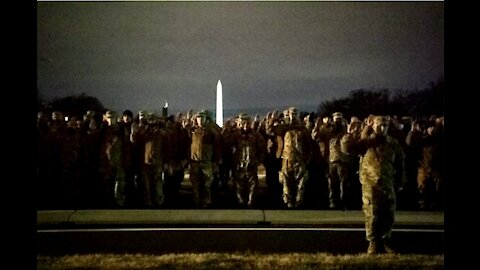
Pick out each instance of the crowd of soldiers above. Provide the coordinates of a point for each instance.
(121, 161)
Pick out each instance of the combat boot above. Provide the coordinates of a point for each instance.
(372, 247)
(387, 248)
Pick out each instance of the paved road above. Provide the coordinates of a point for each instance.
(264, 240)
(179, 228)
(167, 231)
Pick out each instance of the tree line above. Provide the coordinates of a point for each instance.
(414, 103)
(360, 103)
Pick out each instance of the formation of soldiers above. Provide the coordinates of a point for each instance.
(119, 161)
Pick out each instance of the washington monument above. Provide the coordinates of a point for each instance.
(219, 112)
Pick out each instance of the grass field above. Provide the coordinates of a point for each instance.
(210, 261)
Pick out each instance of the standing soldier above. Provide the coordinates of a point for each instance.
(320, 135)
(272, 162)
(249, 150)
(127, 159)
(428, 141)
(178, 151)
(91, 188)
(55, 137)
(154, 162)
(382, 172)
(354, 131)
(111, 169)
(205, 154)
(295, 150)
(71, 154)
(226, 168)
(338, 164)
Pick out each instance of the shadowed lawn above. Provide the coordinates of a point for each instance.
(208, 261)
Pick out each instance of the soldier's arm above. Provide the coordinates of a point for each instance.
(279, 146)
(315, 134)
(360, 146)
(270, 128)
(345, 144)
(414, 138)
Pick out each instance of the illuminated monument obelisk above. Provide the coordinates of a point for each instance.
(219, 113)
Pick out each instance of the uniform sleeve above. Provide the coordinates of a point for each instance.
(345, 144)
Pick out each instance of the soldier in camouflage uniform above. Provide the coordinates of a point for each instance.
(71, 154)
(226, 168)
(54, 140)
(382, 172)
(428, 141)
(111, 169)
(338, 164)
(155, 161)
(272, 162)
(320, 135)
(131, 191)
(178, 148)
(294, 148)
(249, 151)
(205, 154)
(354, 131)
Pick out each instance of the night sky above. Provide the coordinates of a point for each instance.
(138, 55)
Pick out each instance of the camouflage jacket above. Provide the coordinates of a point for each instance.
(249, 149)
(382, 162)
(206, 144)
(294, 143)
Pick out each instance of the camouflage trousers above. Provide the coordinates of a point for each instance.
(293, 177)
(245, 181)
(379, 211)
(113, 180)
(429, 184)
(151, 185)
(338, 183)
(201, 177)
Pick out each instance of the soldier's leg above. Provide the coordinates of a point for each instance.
(237, 181)
(168, 186)
(422, 185)
(178, 176)
(386, 215)
(157, 186)
(287, 179)
(105, 180)
(120, 186)
(131, 189)
(252, 180)
(301, 178)
(208, 178)
(146, 181)
(438, 200)
(195, 180)
(333, 185)
(371, 220)
(342, 169)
